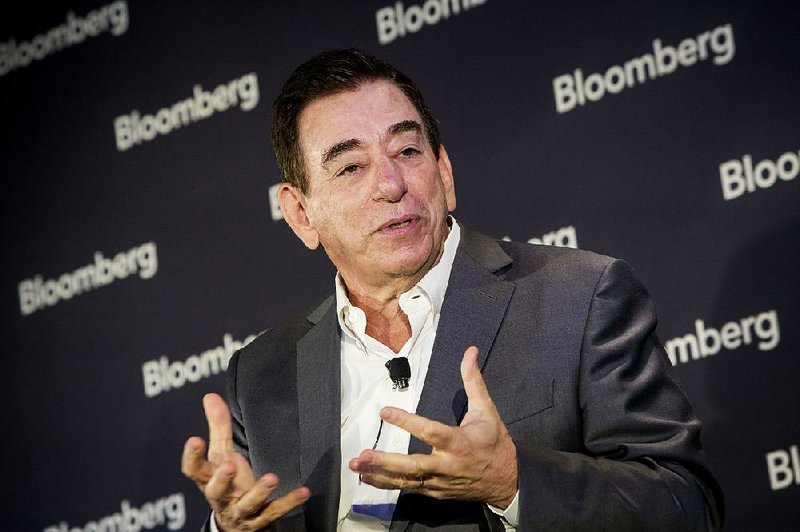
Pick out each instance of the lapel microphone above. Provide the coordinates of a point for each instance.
(399, 372)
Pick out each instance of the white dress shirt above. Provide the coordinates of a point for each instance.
(366, 387)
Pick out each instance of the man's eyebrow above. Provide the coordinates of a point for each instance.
(404, 126)
(339, 148)
(350, 144)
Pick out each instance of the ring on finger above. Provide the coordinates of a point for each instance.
(421, 483)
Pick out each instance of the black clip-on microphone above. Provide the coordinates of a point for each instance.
(399, 372)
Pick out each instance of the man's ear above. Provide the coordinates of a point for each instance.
(446, 172)
(293, 207)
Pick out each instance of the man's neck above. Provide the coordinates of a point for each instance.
(386, 321)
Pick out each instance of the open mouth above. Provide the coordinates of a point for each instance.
(399, 224)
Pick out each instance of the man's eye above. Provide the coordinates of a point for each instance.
(410, 151)
(349, 169)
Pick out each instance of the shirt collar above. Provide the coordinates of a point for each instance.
(433, 284)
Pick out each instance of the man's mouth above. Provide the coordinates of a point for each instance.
(398, 223)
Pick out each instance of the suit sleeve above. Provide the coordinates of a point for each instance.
(643, 467)
(239, 436)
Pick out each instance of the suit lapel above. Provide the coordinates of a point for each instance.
(472, 312)
(318, 376)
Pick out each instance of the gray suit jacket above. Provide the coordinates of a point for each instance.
(606, 439)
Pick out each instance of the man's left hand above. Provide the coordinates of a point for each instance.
(475, 461)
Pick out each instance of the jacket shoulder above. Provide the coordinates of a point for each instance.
(516, 260)
(274, 344)
(564, 263)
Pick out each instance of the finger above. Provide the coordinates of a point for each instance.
(394, 464)
(280, 507)
(219, 490)
(423, 485)
(220, 433)
(391, 483)
(474, 385)
(193, 461)
(431, 432)
(256, 497)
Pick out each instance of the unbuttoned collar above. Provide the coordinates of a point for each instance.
(432, 286)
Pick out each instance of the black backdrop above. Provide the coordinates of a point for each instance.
(92, 437)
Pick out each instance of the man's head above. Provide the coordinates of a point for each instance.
(326, 74)
(376, 187)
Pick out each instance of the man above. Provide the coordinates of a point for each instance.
(543, 399)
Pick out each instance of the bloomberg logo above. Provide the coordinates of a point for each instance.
(565, 237)
(112, 18)
(396, 21)
(162, 375)
(132, 129)
(169, 512)
(784, 468)
(762, 328)
(572, 90)
(738, 177)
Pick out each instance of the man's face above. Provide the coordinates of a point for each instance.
(378, 197)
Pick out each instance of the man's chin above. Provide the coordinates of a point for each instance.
(409, 267)
(409, 261)
(405, 274)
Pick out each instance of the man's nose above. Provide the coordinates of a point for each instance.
(390, 185)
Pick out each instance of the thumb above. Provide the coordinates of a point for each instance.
(220, 432)
(474, 386)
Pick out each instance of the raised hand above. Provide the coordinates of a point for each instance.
(239, 501)
(475, 461)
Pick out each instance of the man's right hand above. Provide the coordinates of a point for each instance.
(239, 501)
